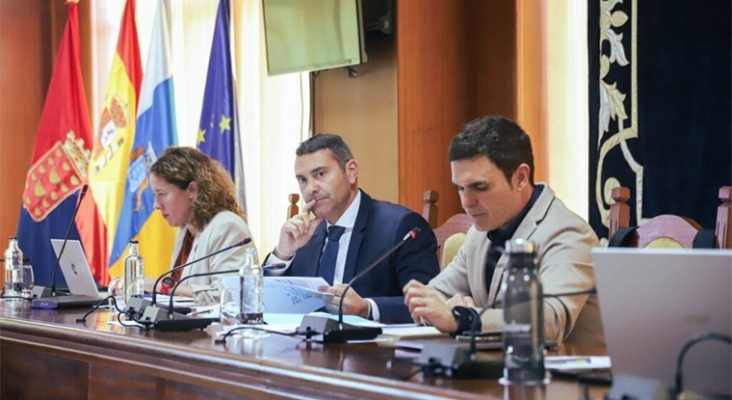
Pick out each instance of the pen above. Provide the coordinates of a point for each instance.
(207, 311)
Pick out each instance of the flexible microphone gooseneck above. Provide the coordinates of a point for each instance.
(157, 282)
(336, 331)
(137, 305)
(172, 292)
(66, 239)
(168, 320)
(410, 235)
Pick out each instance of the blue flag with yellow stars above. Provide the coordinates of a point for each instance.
(218, 132)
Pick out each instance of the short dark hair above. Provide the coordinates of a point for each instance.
(334, 143)
(499, 139)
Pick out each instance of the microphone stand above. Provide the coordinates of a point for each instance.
(172, 292)
(43, 292)
(137, 305)
(168, 320)
(235, 245)
(313, 325)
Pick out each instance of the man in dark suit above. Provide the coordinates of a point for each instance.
(351, 230)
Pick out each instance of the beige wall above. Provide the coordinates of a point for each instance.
(363, 110)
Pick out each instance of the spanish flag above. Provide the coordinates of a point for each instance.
(112, 145)
(154, 132)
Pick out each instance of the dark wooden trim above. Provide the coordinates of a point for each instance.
(98, 358)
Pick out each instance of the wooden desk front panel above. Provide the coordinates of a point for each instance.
(45, 354)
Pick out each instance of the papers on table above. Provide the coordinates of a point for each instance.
(298, 295)
(411, 331)
(294, 294)
(573, 363)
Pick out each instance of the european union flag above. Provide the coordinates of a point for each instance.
(218, 132)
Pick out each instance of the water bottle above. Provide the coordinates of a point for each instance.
(134, 284)
(251, 276)
(13, 270)
(523, 316)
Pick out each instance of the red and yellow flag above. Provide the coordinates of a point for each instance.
(97, 221)
(59, 162)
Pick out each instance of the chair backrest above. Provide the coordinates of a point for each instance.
(458, 223)
(620, 210)
(724, 218)
(293, 209)
(669, 231)
(451, 247)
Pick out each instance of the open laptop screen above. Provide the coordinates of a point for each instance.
(654, 301)
(75, 268)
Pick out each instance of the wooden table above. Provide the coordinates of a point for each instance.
(45, 354)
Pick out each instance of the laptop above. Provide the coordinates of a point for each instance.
(652, 302)
(78, 276)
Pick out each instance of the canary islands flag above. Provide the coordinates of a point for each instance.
(60, 157)
(218, 132)
(154, 132)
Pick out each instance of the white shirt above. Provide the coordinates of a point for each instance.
(347, 221)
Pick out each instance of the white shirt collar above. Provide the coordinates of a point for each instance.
(348, 219)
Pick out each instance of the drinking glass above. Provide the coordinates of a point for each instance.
(28, 282)
(230, 308)
(116, 288)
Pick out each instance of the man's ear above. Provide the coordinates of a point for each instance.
(192, 189)
(352, 171)
(521, 176)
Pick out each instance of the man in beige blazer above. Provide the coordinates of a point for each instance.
(493, 169)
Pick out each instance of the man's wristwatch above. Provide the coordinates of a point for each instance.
(166, 285)
(467, 319)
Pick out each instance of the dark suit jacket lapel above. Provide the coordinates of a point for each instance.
(311, 255)
(359, 230)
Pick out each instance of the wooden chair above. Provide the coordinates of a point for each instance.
(670, 231)
(451, 234)
(293, 209)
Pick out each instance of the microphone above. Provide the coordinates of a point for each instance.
(42, 291)
(137, 305)
(338, 332)
(456, 360)
(169, 320)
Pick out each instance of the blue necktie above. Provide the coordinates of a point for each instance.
(330, 254)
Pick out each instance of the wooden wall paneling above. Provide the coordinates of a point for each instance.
(363, 110)
(27, 29)
(492, 30)
(433, 75)
(531, 85)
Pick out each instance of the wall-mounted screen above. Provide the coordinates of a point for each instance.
(311, 35)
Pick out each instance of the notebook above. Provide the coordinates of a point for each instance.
(652, 302)
(78, 276)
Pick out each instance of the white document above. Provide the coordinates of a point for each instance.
(292, 295)
(310, 284)
(565, 363)
(411, 331)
